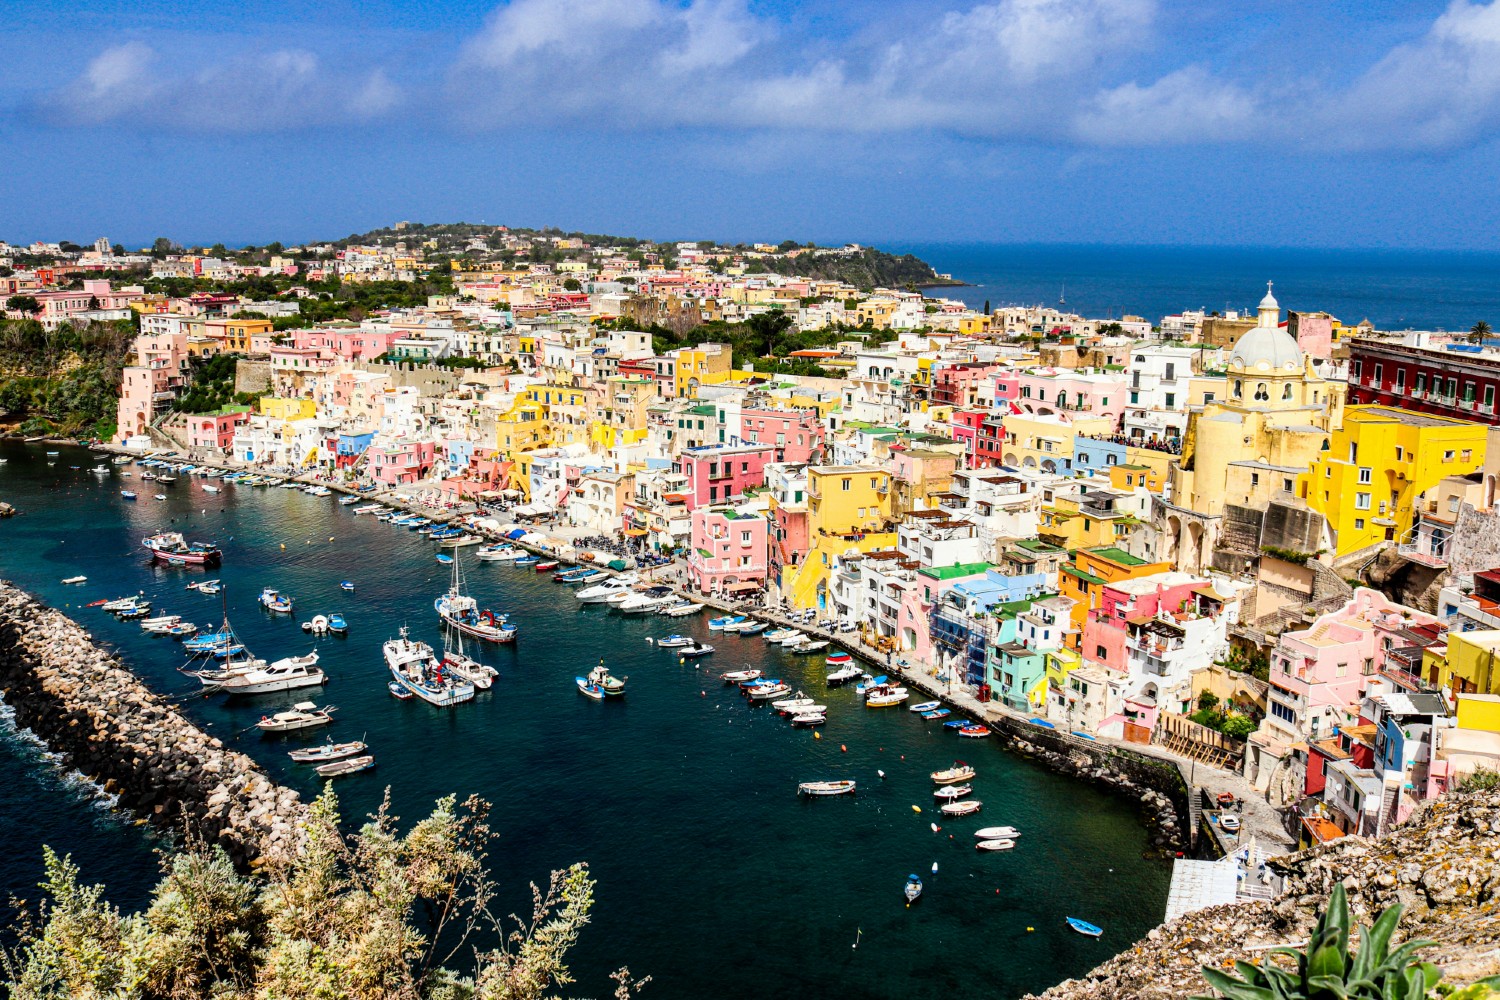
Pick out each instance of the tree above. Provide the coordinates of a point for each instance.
(1478, 332)
(986, 307)
(163, 246)
(27, 304)
(767, 326)
(1238, 727)
(571, 284)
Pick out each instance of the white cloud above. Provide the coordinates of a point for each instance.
(1185, 107)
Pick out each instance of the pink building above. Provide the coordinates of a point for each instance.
(1053, 390)
(215, 431)
(1007, 388)
(349, 343)
(1319, 675)
(957, 384)
(61, 306)
(718, 473)
(728, 551)
(797, 435)
(403, 463)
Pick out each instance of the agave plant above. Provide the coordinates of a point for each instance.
(1327, 971)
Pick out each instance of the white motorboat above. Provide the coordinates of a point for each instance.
(776, 634)
(959, 772)
(844, 674)
(683, 610)
(673, 641)
(767, 692)
(997, 833)
(952, 792)
(998, 844)
(823, 788)
(318, 625)
(328, 752)
(810, 718)
(303, 715)
(601, 592)
(786, 704)
(416, 669)
(635, 604)
(739, 676)
(126, 603)
(76, 579)
(807, 646)
(926, 706)
(966, 807)
(464, 667)
(286, 674)
(887, 699)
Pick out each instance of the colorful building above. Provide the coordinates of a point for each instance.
(1091, 570)
(728, 551)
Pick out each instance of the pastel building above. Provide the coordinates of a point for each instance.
(215, 431)
(727, 554)
(718, 473)
(401, 463)
(797, 436)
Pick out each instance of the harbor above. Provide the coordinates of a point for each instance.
(681, 794)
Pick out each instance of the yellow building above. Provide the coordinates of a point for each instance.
(1045, 440)
(1479, 712)
(621, 413)
(1076, 519)
(706, 364)
(1378, 464)
(1131, 477)
(235, 334)
(1471, 665)
(281, 408)
(848, 508)
(1090, 572)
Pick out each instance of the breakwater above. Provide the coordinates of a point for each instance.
(84, 704)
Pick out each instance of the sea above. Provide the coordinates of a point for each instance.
(1393, 289)
(714, 877)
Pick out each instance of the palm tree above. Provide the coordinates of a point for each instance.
(1478, 332)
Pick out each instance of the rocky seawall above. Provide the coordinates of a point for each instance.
(84, 704)
(1443, 864)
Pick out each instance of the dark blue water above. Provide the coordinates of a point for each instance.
(714, 878)
(1394, 289)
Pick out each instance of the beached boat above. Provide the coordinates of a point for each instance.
(951, 792)
(913, 889)
(1084, 927)
(171, 547)
(275, 601)
(415, 667)
(974, 732)
(825, 788)
(926, 706)
(303, 715)
(999, 844)
(327, 752)
(339, 768)
(968, 807)
(953, 775)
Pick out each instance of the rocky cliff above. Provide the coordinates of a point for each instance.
(1443, 865)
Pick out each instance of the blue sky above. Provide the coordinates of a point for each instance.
(1118, 121)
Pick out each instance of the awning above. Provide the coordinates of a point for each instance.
(636, 532)
(741, 587)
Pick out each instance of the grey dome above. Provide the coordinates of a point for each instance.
(1269, 344)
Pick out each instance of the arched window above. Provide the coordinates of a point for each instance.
(1238, 388)
(1286, 392)
(1261, 392)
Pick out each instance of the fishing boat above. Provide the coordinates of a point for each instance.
(766, 692)
(601, 678)
(937, 713)
(999, 844)
(965, 808)
(499, 553)
(755, 628)
(275, 601)
(568, 575)
(130, 614)
(339, 768)
(303, 715)
(171, 547)
(444, 558)
(838, 659)
(346, 586)
(464, 667)
(886, 699)
(337, 625)
(414, 666)
(588, 689)
(819, 789)
(286, 674)
(461, 612)
(327, 752)
(957, 724)
(926, 706)
(797, 700)
(746, 686)
(182, 630)
(974, 732)
(843, 675)
(959, 772)
(75, 579)
(913, 889)
(740, 676)
(721, 623)
(526, 561)
(997, 833)
(544, 567)
(951, 792)
(694, 651)
(127, 494)
(683, 610)
(1084, 927)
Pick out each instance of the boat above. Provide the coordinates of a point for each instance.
(808, 646)
(694, 651)
(498, 553)
(318, 625)
(100, 470)
(742, 624)
(723, 622)
(1229, 823)
(589, 690)
(790, 639)
(369, 508)
(337, 625)
(569, 575)
(913, 890)
(952, 792)
(974, 732)
(76, 579)
(526, 561)
(172, 547)
(444, 558)
(303, 715)
(458, 541)
(1084, 927)
(400, 691)
(959, 772)
(327, 752)
(458, 664)
(674, 641)
(776, 634)
(838, 659)
(740, 676)
(745, 686)
(345, 585)
(601, 678)
(53, 454)
(957, 724)
(339, 768)
(683, 610)
(635, 604)
(998, 844)
(798, 700)
(210, 489)
(181, 630)
(819, 789)
(754, 628)
(130, 614)
(968, 807)
(415, 667)
(937, 713)
(211, 587)
(997, 833)
(127, 494)
(843, 675)
(766, 692)
(166, 479)
(543, 567)
(286, 674)
(348, 500)
(886, 699)
(926, 706)
(461, 612)
(275, 601)
(602, 592)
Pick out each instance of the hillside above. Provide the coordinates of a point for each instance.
(1441, 864)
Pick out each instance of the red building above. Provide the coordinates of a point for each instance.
(1460, 381)
(989, 442)
(797, 435)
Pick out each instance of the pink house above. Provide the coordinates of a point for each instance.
(1053, 390)
(215, 431)
(403, 463)
(797, 435)
(59, 307)
(718, 473)
(728, 551)
(349, 343)
(957, 384)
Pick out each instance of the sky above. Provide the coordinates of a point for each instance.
(1365, 123)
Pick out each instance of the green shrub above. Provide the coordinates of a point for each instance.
(1482, 779)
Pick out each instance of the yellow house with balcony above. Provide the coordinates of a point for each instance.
(848, 507)
(1471, 665)
(280, 408)
(620, 415)
(706, 364)
(1377, 465)
(1045, 440)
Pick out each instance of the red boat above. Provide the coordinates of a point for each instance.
(171, 548)
(974, 732)
(543, 567)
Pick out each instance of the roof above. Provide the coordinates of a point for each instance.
(1074, 571)
(956, 570)
(1116, 555)
(1037, 545)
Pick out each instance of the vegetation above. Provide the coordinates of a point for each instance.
(64, 380)
(1296, 556)
(1326, 970)
(1481, 779)
(374, 914)
(1219, 717)
(1478, 332)
(212, 386)
(865, 269)
(1255, 663)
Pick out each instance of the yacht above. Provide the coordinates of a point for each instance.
(286, 674)
(417, 670)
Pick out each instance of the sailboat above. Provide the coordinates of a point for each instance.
(241, 672)
(461, 612)
(455, 662)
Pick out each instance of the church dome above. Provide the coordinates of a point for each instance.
(1266, 349)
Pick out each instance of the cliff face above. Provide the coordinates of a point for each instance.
(1443, 865)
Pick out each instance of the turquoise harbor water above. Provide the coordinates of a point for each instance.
(714, 878)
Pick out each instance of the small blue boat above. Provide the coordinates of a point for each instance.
(399, 691)
(444, 559)
(719, 624)
(337, 625)
(937, 713)
(127, 494)
(526, 561)
(1084, 927)
(913, 889)
(593, 691)
(346, 585)
(956, 724)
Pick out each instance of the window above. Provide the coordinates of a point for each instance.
(1282, 712)
(1359, 522)
(1238, 388)
(1100, 652)
(1401, 452)
(1448, 456)
(1135, 397)
(1369, 667)
(1261, 392)
(1208, 397)
(1364, 475)
(1400, 379)
(1453, 505)
(1171, 400)
(1286, 484)
(1467, 455)
(1421, 383)
(848, 484)
(1286, 391)
(1254, 479)
(1341, 670)
(874, 482)
(1361, 501)
(1489, 397)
